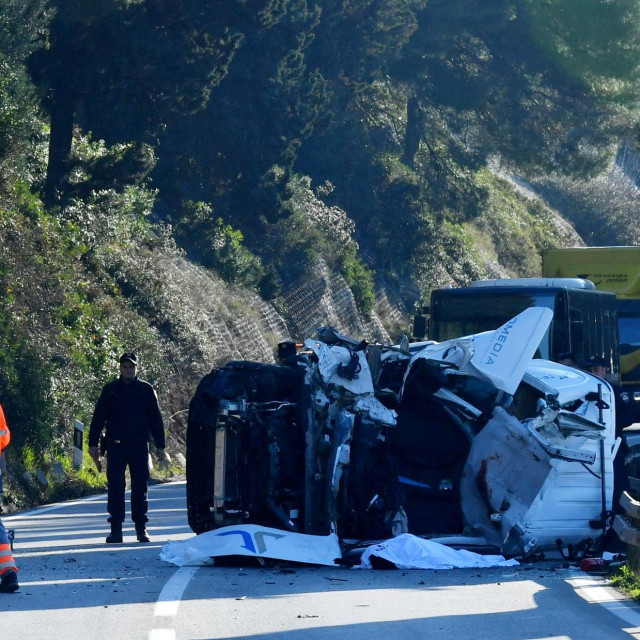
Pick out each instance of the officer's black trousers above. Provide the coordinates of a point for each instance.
(136, 456)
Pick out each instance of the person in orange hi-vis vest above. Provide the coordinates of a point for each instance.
(8, 568)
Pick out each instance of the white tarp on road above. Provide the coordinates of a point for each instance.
(407, 551)
(256, 542)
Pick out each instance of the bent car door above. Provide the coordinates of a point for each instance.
(540, 472)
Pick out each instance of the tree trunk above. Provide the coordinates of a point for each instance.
(413, 131)
(60, 139)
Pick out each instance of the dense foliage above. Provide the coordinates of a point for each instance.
(401, 144)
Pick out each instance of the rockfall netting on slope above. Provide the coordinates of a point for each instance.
(321, 297)
(203, 322)
(393, 310)
(217, 321)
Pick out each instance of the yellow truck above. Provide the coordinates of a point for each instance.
(614, 269)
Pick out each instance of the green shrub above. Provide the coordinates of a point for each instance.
(312, 230)
(360, 281)
(217, 245)
(627, 581)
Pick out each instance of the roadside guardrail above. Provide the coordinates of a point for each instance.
(627, 526)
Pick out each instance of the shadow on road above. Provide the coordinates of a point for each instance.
(65, 564)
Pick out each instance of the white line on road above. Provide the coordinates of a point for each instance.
(162, 634)
(169, 601)
(72, 503)
(53, 507)
(609, 598)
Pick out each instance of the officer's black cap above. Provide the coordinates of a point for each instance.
(596, 361)
(131, 357)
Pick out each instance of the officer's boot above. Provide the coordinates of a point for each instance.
(116, 533)
(141, 533)
(9, 582)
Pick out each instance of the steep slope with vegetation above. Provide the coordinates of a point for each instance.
(198, 185)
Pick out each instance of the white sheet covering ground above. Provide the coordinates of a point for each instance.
(253, 541)
(407, 551)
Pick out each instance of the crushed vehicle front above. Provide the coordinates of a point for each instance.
(471, 442)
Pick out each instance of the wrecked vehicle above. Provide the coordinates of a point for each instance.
(471, 442)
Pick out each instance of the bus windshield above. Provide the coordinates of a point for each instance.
(457, 313)
(629, 328)
(629, 335)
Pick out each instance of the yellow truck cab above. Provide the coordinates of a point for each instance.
(613, 269)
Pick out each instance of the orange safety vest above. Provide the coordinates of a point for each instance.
(5, 434)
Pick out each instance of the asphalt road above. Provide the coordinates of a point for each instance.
(74, 586)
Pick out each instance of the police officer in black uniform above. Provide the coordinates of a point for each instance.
(625, 411)
(128, 411)
(625, 416)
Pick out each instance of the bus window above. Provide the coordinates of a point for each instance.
(461, 312)
(594, 329)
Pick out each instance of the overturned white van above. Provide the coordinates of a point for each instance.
(471, 442)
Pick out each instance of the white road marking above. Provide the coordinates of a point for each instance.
(606, 596)
(166, 607)
(53, 507)
(60, 505)
(162, 634)
(168, 603)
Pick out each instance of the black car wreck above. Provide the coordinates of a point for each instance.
(471, 442)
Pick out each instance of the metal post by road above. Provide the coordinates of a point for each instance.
(78, 433)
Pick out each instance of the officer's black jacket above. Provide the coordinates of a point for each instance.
(625, 409)
(130, 413)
